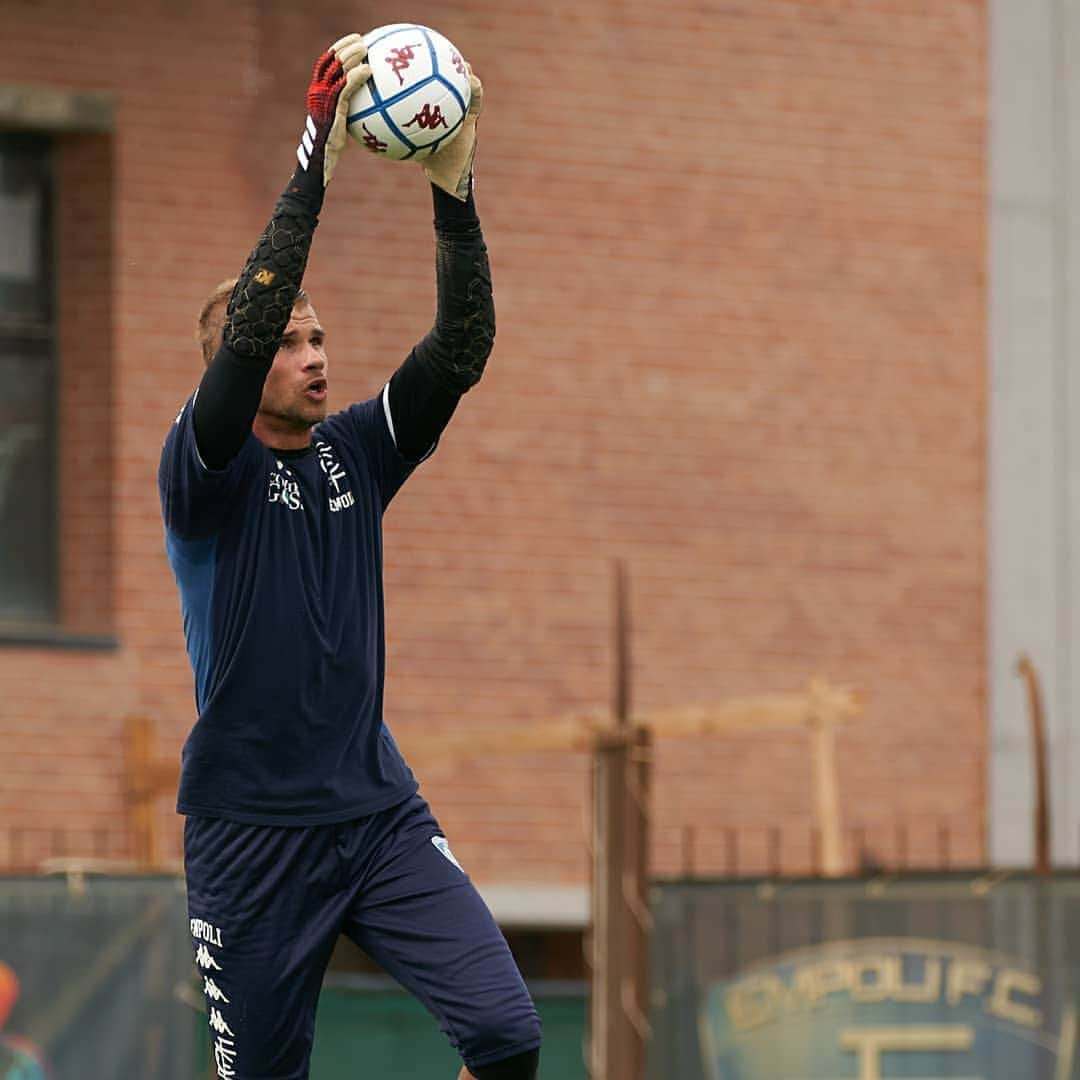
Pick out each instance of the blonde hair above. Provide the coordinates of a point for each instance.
(212, 317)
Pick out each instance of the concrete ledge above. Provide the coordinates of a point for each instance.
(45, 108)
(562, 907)
(26, 636)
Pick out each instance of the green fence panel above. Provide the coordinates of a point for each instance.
(92, 979)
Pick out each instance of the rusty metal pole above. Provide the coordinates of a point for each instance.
(622, 647)
(1037, 718)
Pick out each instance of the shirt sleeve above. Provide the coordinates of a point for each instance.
(194, 498)
(418, 408)
(366, 428)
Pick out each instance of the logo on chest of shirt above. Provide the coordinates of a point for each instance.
(337, 478)
(284, 488)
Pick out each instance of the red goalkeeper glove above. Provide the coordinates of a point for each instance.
(338, 74)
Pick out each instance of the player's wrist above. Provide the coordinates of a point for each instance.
(450, 167)
(306, 185)
(453, 214)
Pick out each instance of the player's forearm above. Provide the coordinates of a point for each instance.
(458, 345)
(262, 301)
(257, 315)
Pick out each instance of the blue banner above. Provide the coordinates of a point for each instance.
(933, 978)
(883, 1008)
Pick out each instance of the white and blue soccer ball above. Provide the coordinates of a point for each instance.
(417, 96)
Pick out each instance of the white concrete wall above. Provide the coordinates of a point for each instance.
(1034, 482)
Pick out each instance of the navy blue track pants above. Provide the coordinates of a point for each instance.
(267, 904)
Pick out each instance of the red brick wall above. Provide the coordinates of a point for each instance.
(739, 266)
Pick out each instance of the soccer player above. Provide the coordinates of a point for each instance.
(302, 819)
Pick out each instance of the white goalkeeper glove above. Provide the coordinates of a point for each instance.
(449, 167)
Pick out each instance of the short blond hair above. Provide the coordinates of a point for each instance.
(212, 317)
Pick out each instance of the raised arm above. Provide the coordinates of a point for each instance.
(425, 390)
(262, 300)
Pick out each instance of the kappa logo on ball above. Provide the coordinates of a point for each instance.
(417, 96)
(443, 847)
(400, 58)
(430, 116)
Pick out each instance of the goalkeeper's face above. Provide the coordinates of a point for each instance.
(295, 392)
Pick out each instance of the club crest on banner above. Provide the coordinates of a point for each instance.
(879, 1008)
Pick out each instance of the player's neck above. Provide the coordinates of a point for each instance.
(279, 434)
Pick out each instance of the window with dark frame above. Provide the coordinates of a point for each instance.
(28, 586)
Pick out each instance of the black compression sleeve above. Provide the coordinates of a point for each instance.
(257, 315)
(420, 408)
(262, 301)
(519, 1067)
(456, 349)
(228, 400)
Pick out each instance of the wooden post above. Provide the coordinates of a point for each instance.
(606, 853)
(619, 1023)
(826, 802)
(621, 919)
(140, 793)
(635, 990)
(608, 1049)
(824, 716)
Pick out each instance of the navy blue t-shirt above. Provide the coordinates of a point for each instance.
(279, 564)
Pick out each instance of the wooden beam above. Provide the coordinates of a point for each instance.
(569, 734)
(576, 732)
(769, 712)
(820, 704)
(818, 709)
